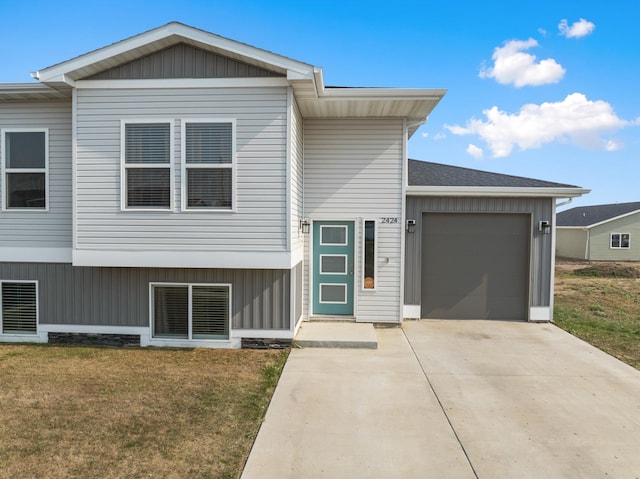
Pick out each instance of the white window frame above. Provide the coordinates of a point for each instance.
(346, 265)
(184, 166)
(375, 255)
(123, 164)
(4, 170)
(621, 235)
(346, 235)
(190, 316)
(346, 293)
(30, 335)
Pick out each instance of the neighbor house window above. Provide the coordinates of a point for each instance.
(146, 165)
(25, 169)
(191, 311)
(19, 313)
(369, 248)
(620, 240)
(207, 170)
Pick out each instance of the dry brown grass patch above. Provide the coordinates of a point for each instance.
(93, 412)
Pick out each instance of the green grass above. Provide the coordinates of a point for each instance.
(602, 311)
(78, 412)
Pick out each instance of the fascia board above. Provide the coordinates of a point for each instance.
(341, 94)
(57, 72)
(495, 191)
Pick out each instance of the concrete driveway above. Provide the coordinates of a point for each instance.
(453, 399)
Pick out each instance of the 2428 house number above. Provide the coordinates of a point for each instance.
(389, 221)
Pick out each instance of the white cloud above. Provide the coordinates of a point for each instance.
(575, 119)
(511, 65)
(439, 136)
(578, 29)
(475, 151)
(425, 134)
(542, 32)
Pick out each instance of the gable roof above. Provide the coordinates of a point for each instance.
(314, 99)
(589, 216)
(427, 178)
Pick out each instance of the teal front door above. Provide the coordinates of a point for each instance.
(333, 253)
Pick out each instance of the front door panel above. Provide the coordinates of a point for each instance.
(333, 254)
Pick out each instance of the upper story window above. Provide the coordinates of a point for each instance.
(25, 162)
(147, 165)
(208, 151)
(620, 240)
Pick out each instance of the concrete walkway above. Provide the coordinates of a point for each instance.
(453, 399)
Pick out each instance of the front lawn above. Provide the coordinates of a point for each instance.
(601, 304)
(80, 412)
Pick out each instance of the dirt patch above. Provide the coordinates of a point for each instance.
(608, 270)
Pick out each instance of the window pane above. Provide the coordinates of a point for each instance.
(333, 235)
(333, 264)
(209, 188)
(25, 190)
(333, 293)
(369, 254)
(19, 312)
(148, 187)
(210, 316)
(210, 143)
(624, 241)
(25, 149)
(171, 312)
(147, 143)
(615, 240)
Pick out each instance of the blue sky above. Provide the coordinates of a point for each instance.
(545, 89)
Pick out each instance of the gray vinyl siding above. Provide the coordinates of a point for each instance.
(600, 237)
(182, 61)
(571, 243)
(297, 182)
(261, 121)
(540, 259)
(90, 296)
(297, 283)
(353, 171)
(49, 229)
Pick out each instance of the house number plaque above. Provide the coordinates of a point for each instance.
(389, 221)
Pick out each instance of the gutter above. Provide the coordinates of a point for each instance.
(528, 192)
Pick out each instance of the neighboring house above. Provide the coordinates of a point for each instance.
(178, 188)
(600, 232)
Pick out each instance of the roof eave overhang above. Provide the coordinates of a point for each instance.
(609, 220)
(31, 91)
(534, 192)
(162, 37)
(414, 104)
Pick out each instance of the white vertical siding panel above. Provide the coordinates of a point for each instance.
(353, 171)
(47, 229)
(296, 177)
(259, 222)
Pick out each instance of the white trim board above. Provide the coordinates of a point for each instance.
(187, 259)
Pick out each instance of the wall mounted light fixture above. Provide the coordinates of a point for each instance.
(304, 225)
(544, 227)
(411, 226)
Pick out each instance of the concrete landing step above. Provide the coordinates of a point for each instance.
(332, 334)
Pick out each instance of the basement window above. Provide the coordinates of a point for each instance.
(620, 241)
(19, 312)
(191, 311)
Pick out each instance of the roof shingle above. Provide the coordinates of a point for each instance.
(591, 215)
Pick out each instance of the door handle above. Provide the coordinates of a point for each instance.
(351, 268)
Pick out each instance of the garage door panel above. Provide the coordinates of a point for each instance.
(475, 266)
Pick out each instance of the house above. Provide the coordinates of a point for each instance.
(600, 232)
(178, 188)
